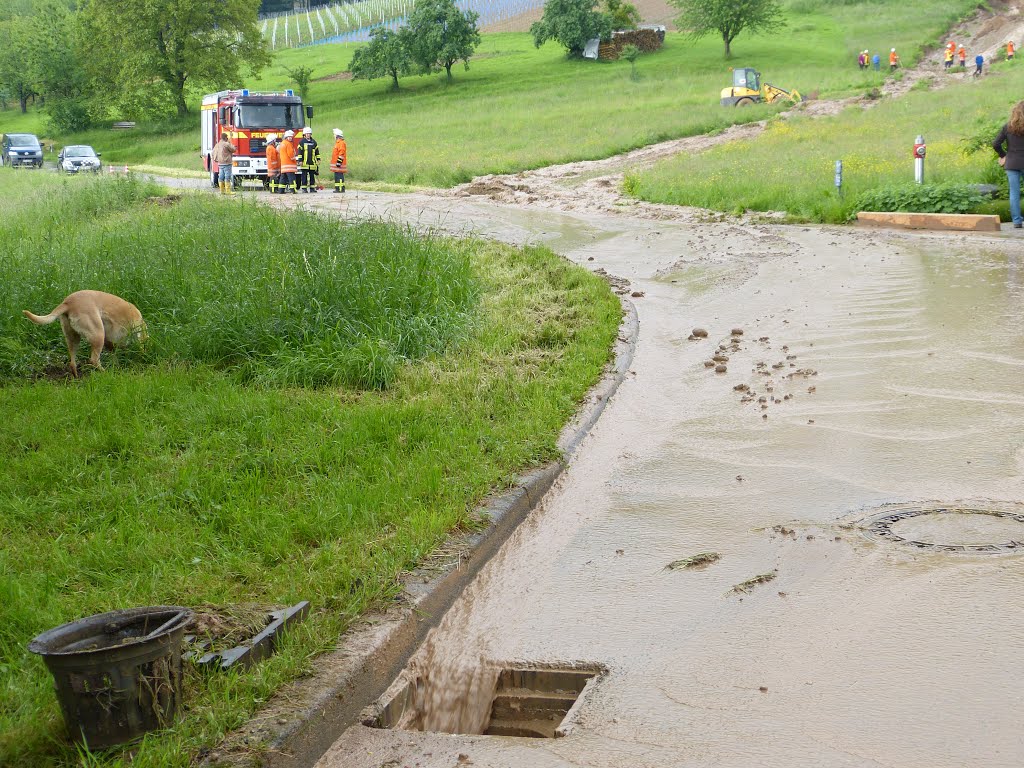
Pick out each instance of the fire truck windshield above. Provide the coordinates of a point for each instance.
(269, 116)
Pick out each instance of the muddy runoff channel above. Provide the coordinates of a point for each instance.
(877, 374)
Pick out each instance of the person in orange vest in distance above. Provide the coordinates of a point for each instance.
(339, 160)
(1010, 50)
(288, 164)
(962, 53)
(273, 162)
(894, 60)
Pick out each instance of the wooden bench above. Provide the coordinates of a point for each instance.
(126, 125)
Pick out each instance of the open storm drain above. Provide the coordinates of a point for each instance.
(532, 703)
(984, 530)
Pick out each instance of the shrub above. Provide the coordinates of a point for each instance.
(921, 198)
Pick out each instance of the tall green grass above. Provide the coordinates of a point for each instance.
(169, 482)
(519, 107)
(795, 159)
(284, 298)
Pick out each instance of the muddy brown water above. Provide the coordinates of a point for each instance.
(900, 381)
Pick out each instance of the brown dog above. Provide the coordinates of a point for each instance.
(102, 318)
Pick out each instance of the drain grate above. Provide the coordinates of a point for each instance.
(534, 702)
(950, 528)
(538, 703)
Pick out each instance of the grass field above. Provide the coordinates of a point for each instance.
(172, 480)
(795, 158)
(336, 305)
(519, 107)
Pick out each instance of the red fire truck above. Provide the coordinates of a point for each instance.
(248, 117)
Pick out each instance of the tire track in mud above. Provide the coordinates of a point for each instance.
(595, 186)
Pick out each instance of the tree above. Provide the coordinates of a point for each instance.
(300, 76)
(386, 55)
(631, 53)
(571, 23)
(17, 75)
(623, 15)
(439, 34)
(172, 45)
(728, 17)
(60, 75)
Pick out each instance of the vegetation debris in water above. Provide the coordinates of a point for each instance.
(762, 578)
(700, 560)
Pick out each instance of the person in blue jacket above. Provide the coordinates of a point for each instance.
(876, 62)
(979, 60)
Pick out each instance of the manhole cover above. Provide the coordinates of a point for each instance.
(950, 528)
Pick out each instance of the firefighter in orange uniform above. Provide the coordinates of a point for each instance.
(288, 164)
(339, 160)
(962, 53)
(273, 162)
(1010, 50)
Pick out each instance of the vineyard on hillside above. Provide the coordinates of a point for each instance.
(352, 22)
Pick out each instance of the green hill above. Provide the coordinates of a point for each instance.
(518, 107)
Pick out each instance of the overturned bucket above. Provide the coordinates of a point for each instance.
(117, 674)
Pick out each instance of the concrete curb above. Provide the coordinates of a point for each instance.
(302, 721)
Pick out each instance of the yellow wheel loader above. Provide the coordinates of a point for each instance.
(748, 89)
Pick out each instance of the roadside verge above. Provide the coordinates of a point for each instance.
(302, 721)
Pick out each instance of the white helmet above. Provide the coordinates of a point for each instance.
(271, 137)
(289, 133)
(307, 129)
(338, 133)
(892, 50)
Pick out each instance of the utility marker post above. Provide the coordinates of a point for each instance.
(919, 152)
(839, 177)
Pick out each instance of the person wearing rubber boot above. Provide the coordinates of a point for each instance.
(223, 156)
(273, 163)
(339, 160)
(309, 161)
(296, 140)
(288, 164)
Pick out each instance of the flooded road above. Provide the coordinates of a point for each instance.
(891, 368)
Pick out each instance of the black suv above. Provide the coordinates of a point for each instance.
(21, 149)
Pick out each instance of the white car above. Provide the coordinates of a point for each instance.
(78, 157)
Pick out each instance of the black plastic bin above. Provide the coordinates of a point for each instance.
(117, 674)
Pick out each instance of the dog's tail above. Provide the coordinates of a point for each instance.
(46, 319)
